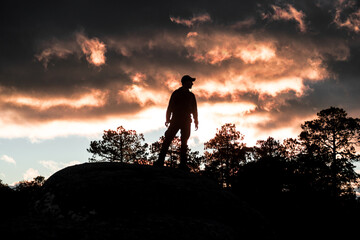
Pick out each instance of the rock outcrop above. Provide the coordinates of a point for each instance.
(121, 201)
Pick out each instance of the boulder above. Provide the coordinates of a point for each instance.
(123, 201)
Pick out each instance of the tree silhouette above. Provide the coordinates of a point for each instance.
(195, 161)
(119, 145)
(268, 174)
(33, 185)
(174, 152)
(329, 143)
(226, 155)
(268, 148)
(1, 184)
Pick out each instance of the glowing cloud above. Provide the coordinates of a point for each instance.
(95, 98)
(57, 50)
(245, 117)
(190, 22)
(147, 120)
(141, 93)
(215, 48)
(244, 23)
(192, 34)
(352, 21)
(139, 77)
(251, 54)
(93, 49)
(288, 13)
(259, 64)
(239, 73)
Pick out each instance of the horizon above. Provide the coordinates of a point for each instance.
(266, 66)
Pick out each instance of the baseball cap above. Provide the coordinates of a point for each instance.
(187, 78)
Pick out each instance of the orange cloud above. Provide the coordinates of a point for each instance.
(138, 77)
(288, 13)
(57, 50)
(93, 49)
(192, 34)
(217, 47)
(247, 120)
(244, 23)
(251, 54)
(352, 20)
(241, 78)
(94, 98)
(190, 22)
(260, 64)
(141, 93)
(149, 119)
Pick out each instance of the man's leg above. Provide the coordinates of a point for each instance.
(185, 134)
(169, 136)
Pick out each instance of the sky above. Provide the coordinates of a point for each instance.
(71, 69)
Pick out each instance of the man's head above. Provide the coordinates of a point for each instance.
(187, 81)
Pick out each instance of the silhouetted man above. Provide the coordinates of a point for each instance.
(181, 105)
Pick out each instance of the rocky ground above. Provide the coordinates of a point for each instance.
(122, 201)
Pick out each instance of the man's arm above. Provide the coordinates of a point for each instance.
(169, 110)
(195, 114)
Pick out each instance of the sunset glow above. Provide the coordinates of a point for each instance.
(95, 98)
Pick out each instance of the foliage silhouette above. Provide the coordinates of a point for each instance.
(291, 195)
(329, 143)
(302, 185)
(119, 145)
(227, 154)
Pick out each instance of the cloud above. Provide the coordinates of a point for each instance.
(263, 70)
(288, 13)
(93, 49)
(149, 119)
(221, 46)
(247, 23)
(281, 76)
(56, 166)
(205, 17)
(93, 98)
(8, 159)
(30, 174)
(192, 34)
(266, 65)
(57, 50)
(347, 16)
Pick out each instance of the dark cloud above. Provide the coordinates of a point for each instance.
(89, 60)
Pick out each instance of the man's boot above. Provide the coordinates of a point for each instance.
(160, 161)
(183, 163)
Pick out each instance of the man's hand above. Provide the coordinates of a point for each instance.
(167, 124)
